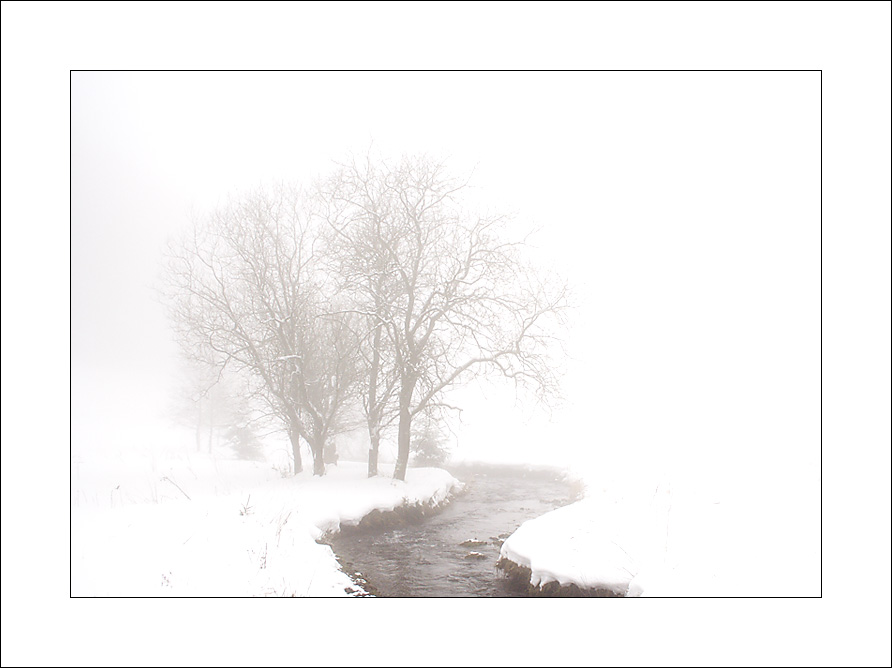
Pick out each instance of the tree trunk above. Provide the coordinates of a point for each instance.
(318, 452)
(405, 429)
(198, 429)
(318, 462)
(317, 447)
(295, 449)
(210, 428)
(375, 438)
(374, 417)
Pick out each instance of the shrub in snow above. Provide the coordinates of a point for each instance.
(429, 447)
(244, 442)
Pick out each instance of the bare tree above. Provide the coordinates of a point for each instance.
(362, 268)
(445, 297)
(244, 286)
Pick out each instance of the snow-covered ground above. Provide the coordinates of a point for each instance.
(193, 525)
(649, 536)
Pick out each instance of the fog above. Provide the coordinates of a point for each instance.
(681, 208)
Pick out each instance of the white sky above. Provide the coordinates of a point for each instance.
(682, 202)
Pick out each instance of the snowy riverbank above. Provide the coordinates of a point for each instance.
(205, 527)
(650, 537)
(596, 543)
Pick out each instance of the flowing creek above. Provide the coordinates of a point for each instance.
(453, 552)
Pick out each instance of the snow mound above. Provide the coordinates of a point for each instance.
(571, 545)
(600, 542)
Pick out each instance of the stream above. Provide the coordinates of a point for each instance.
(453, 552)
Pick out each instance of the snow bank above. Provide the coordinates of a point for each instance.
(199, 527)
(599, 542)
(642, 535)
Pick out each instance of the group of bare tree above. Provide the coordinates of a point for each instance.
(376, 289)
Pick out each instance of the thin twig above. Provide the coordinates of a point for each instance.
(177, 486)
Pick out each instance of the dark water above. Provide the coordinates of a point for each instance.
(428, 559)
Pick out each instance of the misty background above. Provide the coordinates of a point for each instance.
(680, 206)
